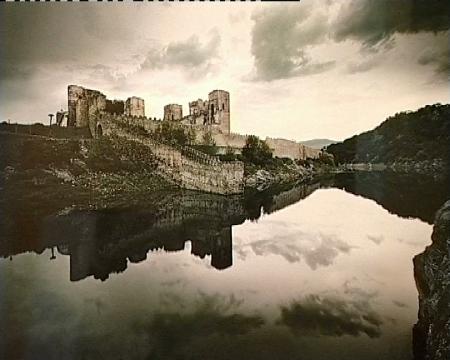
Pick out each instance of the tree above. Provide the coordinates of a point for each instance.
(171, 133)
(191, 136)
(229, 154)
(208, 139)
(256, 151)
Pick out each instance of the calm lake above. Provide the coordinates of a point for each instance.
(319, 271)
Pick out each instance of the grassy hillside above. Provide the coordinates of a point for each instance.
(59, 132)
(420, 136)
(61, 172)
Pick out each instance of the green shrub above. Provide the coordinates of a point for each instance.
(173, 133)
(257, 151)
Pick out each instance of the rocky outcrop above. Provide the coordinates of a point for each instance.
(432, 274)
(263, 179)
(282, 173)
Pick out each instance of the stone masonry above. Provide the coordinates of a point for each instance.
(183, 166)
(134, 106)
(210, 116)
(85, 103)
(173, 112)
(214, 112)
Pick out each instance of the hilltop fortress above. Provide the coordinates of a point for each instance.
(91, 108)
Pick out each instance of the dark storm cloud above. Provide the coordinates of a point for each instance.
(437, 56)
(34, 34)
(187, 54)
(32, 37)
(315, 315)
(280, 39)
(283, 37)
(43, 47)
(374, 21)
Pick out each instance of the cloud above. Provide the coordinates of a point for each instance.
(280, 41)
(190, 54)
(173, 335)
(283, 39)
(315, 315)
(363, 66)
(57, 34)
(315, 249)
(436, 54)
(45, 48)
(376, 239)
(374, 25)
(372, 22)
(400, 304)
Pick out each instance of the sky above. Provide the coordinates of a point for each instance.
(312, 69)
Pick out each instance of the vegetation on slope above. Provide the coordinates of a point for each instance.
(420, 136)
(57, 172)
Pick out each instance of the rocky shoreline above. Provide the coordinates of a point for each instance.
(260, 179)
(425, 167)
(431, 334)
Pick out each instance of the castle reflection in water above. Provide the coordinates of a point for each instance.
(101, 242)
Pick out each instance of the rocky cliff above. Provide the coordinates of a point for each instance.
(432, 274)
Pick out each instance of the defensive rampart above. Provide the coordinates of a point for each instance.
(184, 166)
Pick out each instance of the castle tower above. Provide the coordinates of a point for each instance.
(219, 109)
(134, 106)
(82, 104)
(77, 106)
(173, 112)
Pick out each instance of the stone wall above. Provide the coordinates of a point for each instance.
(289, 197)
(82, 104)
(291, 149)
(280, 147)
(85, 103)
(184, 166)
(209, 116)
(115, 106)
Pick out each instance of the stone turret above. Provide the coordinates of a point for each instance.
(219, 109)
(134, 106)
(173, 112)
(83, 103)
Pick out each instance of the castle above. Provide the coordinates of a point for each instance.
(212, 116)
(84, 103)
(214, 112)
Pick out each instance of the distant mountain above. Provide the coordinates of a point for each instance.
(407, 137)
(318, 143)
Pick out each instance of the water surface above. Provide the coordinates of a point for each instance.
(322, 271)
